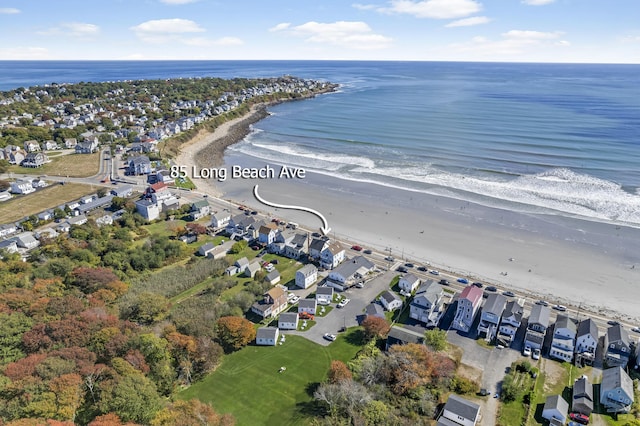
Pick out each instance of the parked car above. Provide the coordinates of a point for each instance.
(368, 251)
(527, 351)
(444, 282)
(409, 265)
(484, 392)
(463, 280)
(422, 269)
(360, 285)
(560, 308)
(434, 272)
(477, 284)
(330, 337)
(255, 247)
(636, 329)
(343, 303)
(356, 248)
(536, 354)
(492, 288)
(294, 300)
(580, 418)
(389, 258)
(613, 322)
(542, 302)
(402, 269)
(508, 293)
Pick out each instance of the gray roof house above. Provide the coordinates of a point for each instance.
(616, 345)
(401, 336)
(459, 411)
(267, 336)
(408, 283)
(491, 314)
(273, 277)
(390, 300)
(586, 342)
(324, 295)
(374, 309)
(307, 305)
(616, 390)
(349, 272)
(288, 321)
(582, 396)
(251, 269)
(564, 335)
(9, 245)
(26, 240)
(426, 305)
(206, 248)
(555, 407)
(510, 322)
(537, 327)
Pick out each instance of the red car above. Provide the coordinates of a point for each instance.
(356, 248)
(580, 418)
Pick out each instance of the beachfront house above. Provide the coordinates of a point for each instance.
(426, 305)
(491, 314)
(469, 303)
(324, 295)
(288, 321)
(586, 342)
(199, 209)
(239, 225)
(510, 322)
(308, 306)
(220, 219)
(409, 283)
(459, 411)
(555, 409)
(582, 396)
(349, 272)
(332, 255)
(306, 276)
(267, 336)
(564, 335)
(295, 247)
(617, 347)
(267, 234)
(537, 327)
(390, 300)
(616, 390)
(273, 302)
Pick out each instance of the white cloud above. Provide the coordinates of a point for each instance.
(537, 2)
(24, 53)
(351, 34)
(468, 22)
(80, 29)
(513, 42)
(177, 2)
(222, 41)
(563, 43)
(436, 9)
(360, 6)
(531, 35)
(9, 10)
(280, 27)
(163, 30)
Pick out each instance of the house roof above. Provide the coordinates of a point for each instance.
(158, 186)
(265, 230)
(403, 335)
(473, 294)
(206, 247)
(94, 204)
(389, 296)
(513, 309)
(308, 269)
(410, 278)
(307, 303)
(616, 333)
(200, 204)
(221, 215)
(588, 326)
(494, 304)
(276, 292)
(540, 315)
(563, 321)
(8, 243)
(428, 292)
(299, 239)
(242, 262)
(462, 407)
(582, 388)
(335, 247)
(318, 244)
(288, 317)
(73, 220)
(253, 266)
(358, 264)
(272, 275)
(616, 377)
(556, 402)
(266, 333)
(374, 309)
(324, 291)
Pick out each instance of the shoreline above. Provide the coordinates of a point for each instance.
(544, 267)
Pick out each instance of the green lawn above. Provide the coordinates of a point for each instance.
(514, 412)
(249, 386)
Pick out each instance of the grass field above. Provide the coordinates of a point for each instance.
(50, 197)
(249, 386)
(72, 165)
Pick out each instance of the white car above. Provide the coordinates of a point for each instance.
(330, 337)
(290, 296)
(343, 303)
(560, 308)
(636, 329)
(294, 300)
(527, 351)
(434, 272)
(269, 267)
(536, 354)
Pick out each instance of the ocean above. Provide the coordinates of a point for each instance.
(550, 139)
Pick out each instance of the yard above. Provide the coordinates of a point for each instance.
(72, 165)
(47, 198)
(248, 383)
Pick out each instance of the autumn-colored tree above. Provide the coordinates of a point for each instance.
(375, 327)
(91, 279)
(338, 372)
(191, 413)
(68, 395)
(407, 367)
(110, 419)
(24, 367)
(196, 228)
(234, 332)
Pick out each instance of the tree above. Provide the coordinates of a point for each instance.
(132, 397)
(238, 247)
(196, 228)
(375, 327)
(4, 166)
(4, 185)
(344, 398)
(191, 413)
(149, 308)
(12, 327)
(92, 279)
(338, 372)
(234, 332)
(101, 192)
(436, 339)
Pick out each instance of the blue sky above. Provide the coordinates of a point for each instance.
(600, 31)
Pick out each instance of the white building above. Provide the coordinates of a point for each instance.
(267, 336)
(409, 283)
(306, 276)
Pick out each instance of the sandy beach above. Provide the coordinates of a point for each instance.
(573, 262)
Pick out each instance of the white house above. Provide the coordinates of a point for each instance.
(426, 305)
(390, 300)
(306, 276)
(324, 295)
(307, 305)
(26, 241)
(555, 407)
(288, 321)
(564, 335)
(273, 277)
(22, 187)
(537, 326)
(267, 336)
(491, 314)
(586, 342)
(317, 246)
(510, 322)
(459, 411)
(10, 246)
(220, 219)
(148, 209)
(8, 229)
(332, 256)
(266, 234)
(349, 272)
(468, 305)
(409, 283)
